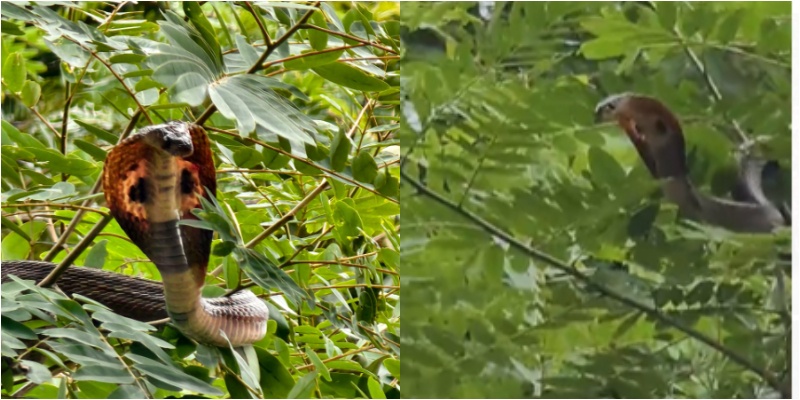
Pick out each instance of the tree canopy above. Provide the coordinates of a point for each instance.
(541, 258)
(301, 103)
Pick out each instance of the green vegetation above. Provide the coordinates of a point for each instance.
(540, 256)
(292, 95)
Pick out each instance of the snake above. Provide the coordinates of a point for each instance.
(658, 137)
(151, 181)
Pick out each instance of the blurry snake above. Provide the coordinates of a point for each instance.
(657, 135)
(152, 180)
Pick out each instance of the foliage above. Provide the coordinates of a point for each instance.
(307, 94)
(541, 258)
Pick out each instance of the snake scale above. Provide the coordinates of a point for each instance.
(152, 180)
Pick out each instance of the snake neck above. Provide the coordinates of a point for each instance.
(242, 318)
(758, 216)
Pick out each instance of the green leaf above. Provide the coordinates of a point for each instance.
(367, 306)
(340, 150)
(95, 152)
(138, 73)
(16, 329)
(128, 58)
(641, 222)
(67, 165)
(605, 168)
(351, 77)
(17, 12)
(317, 153)
(107, 316)
(247, 157)
(31, 91)
(364, 167)
(313, 61)
(331, 13)
(10, 28)
(200, 22)
(77, 335)
(318, 39)
(14, 72)
(304, 386)
(127, 392)
(97, 255)
(98, 373)
(147, 83)
(69, 52)
(276, 382)
(384, 128)
(6, 223)
(283, 350)
(36, 373)
(375, 391)
(253, 104)
(393, 366)
(345, 212)
(173, 375)
(387, 184)
(98, 133)
(222, 249)
(249, 53)
(603, 48)
(14, 247)
(321, 368)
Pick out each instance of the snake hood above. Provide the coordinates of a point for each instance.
(154, 179)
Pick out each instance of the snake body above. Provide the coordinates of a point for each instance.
(152, 180)
(658, 137)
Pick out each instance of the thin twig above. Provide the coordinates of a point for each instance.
(313, 53)
(46, 122)
(344, 35)
(71, 257)
(288, 216)
(56, 205)
(260, 23)
(334, 358)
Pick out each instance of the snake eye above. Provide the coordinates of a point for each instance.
(187, 182)
(138, 193)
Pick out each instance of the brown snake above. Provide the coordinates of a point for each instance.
(152, 180)
(658, 137)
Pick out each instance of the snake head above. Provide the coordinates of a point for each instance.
(172, 138)
(609, 108)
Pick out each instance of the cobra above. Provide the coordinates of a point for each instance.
(657, 135)
(152, 180)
